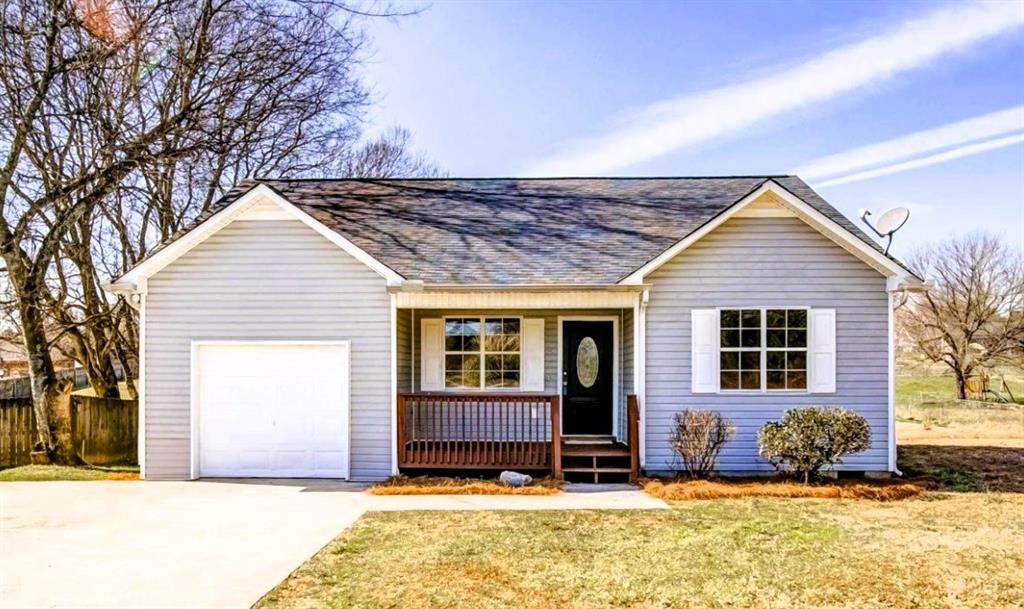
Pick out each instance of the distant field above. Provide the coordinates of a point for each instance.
(928, 413)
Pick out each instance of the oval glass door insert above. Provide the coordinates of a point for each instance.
(586, 362)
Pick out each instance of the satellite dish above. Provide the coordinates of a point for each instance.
(887, 225)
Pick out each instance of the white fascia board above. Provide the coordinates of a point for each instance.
(817, 220)
(508, 299)
(133, 279)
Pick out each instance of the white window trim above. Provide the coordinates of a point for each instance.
(763, 350)
(483, 388)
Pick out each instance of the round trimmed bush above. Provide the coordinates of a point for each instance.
(807, 439)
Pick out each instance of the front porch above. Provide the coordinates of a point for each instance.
(446, 431)
(522, 388)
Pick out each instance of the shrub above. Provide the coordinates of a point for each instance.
(809, 438)
(697, 437)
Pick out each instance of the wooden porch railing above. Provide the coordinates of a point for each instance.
(476, 431)
(633, 435)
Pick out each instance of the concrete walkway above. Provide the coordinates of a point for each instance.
(577, 497)
(208, 544)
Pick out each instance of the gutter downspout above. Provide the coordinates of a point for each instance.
(896, 286)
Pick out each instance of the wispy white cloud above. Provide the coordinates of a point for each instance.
(672, 124)
(934, 159)
(963, 132)
(918, 209)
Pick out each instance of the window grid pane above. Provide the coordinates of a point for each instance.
(781, 359)
(462, 358)
(740, 349)
(482, 352)
(786, 361)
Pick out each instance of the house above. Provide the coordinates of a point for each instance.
(357, 328)
(14, 358)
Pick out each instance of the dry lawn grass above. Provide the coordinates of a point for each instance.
(46, 473)
(963, 426)
(689, 490)
(439, 485)
(961, 550)
(927, 413)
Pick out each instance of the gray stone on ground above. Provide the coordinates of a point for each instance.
(514, 479)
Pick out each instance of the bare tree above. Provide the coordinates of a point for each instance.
(121, 122)
(389, 155)
(973, 317)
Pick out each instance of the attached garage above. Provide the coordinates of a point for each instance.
(270, 409)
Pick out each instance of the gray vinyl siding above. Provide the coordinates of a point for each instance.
(403, 342)
(626, 385)
(266, 280)
(550, 316)
(766, 262)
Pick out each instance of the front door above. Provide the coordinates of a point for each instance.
(587, 369)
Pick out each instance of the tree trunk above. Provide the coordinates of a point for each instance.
(961, 385)
(103, 379)
(129, 382)
(59, 404)
(50, 396)
(42, 377)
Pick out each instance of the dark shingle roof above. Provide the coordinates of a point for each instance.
(523, 231)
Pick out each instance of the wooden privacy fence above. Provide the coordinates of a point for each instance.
(17, 431)
(478, 431)
(104, 431)
(21, 387)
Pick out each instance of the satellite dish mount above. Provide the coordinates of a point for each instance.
(888, 223)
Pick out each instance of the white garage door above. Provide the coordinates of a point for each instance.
(272, 409)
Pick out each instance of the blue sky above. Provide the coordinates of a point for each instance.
(718, 88)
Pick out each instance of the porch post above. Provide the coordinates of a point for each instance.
(640, 366)
(556, 437)
(633, 427)
(394, 384)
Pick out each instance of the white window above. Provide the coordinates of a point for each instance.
(482, 352)
(762, 349)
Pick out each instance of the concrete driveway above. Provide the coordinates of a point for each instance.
(206, 544)
(144, 545)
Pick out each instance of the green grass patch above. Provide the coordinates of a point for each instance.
(738, 553)
(960, 480)
(44, 473)
(940, 388)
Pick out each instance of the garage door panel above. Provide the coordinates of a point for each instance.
(273, 410)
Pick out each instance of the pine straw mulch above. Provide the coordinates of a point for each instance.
(442, 485)
(688, 490)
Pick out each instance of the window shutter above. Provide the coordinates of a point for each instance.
(533, 354)
(822, 350)
(431, 354)
(704, 350)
